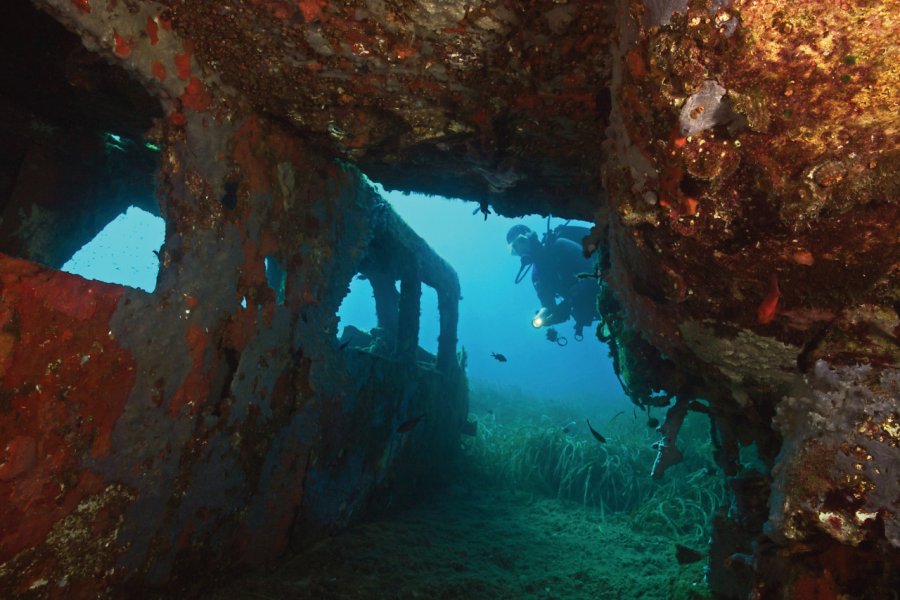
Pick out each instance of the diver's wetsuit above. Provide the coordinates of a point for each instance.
(554, 275)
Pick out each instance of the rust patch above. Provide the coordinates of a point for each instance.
(63, 356)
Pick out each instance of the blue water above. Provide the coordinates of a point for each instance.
(495, 313)
(123, 251)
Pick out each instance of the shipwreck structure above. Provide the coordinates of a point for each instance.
(739, 159)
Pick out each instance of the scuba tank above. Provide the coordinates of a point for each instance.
(573, 233)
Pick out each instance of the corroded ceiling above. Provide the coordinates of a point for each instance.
(501, 101)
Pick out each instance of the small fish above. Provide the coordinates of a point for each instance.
(409, 424)
(596, 433)
(686, 556)
(803, 257)
(766, 311)
(499, 357)
(653, 422)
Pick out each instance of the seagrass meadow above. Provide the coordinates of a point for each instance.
(540, 448)
(534, 508)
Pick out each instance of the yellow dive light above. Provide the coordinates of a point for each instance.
(540, 319)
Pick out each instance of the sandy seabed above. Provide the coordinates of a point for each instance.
(473, 545)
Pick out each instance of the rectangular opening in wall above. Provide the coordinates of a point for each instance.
(358, 319)
(429, 325)
(125, 252)
(276, 277)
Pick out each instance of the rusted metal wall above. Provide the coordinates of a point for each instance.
(752, 260)
(208, 423)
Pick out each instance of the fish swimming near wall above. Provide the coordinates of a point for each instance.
(769, 305)
(596, 433)
(409, 424)
(498, 357)
(686, 556)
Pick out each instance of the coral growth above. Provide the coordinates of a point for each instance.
(839, 470)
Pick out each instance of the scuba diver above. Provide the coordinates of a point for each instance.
(559, 270)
